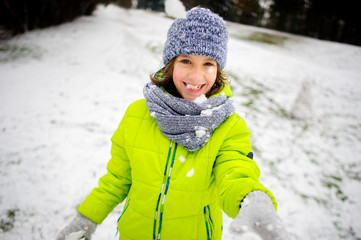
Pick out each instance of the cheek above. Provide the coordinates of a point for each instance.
(210, 70)
(211, 75)
(178, 75)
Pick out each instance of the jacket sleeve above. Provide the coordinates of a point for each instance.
(236, 174)
(114, 185)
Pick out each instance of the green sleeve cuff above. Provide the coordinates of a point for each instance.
(94, 209)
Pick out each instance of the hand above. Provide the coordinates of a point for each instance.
(80, 228)
(258, 215)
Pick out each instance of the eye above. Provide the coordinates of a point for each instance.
(186, 61)
(208, 64)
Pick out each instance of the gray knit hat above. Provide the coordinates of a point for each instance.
(202, 32)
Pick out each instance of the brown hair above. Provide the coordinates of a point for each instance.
(164, 78)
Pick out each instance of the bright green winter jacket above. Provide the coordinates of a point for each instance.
(172, 193)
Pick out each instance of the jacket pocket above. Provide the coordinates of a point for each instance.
(208, 222)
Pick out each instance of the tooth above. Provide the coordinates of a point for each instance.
(189, 86)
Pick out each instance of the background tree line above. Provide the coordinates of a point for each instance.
(324, 19)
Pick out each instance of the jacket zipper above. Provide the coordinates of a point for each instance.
(208, 222)
(163, 192)
(125, 209)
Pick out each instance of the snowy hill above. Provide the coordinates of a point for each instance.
(63, 91)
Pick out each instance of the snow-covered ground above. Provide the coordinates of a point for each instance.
(63, 91)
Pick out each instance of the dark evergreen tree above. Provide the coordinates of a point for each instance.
(245, 11)
(332, 20)
(288, 15)
(123, 3)
(18, 16)
(155, 5)
(218, 7)
(242, 11)
(325, 19)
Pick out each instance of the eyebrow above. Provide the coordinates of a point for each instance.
(210, 59)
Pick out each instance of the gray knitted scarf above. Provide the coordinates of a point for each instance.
(185, 122)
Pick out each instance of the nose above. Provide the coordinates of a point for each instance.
(195, 74)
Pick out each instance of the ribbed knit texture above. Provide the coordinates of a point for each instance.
(258, 215)
(185, 122)
(202, 32)
(78, 228)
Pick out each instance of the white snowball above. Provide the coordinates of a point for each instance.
(75, 236)
(175, 9)
(201, 99)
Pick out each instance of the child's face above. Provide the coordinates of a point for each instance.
(194, 75)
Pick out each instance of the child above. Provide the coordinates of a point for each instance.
(181, 155)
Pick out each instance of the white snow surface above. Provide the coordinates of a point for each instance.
(64, 90)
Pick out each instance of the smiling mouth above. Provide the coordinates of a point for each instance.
(193, 87)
